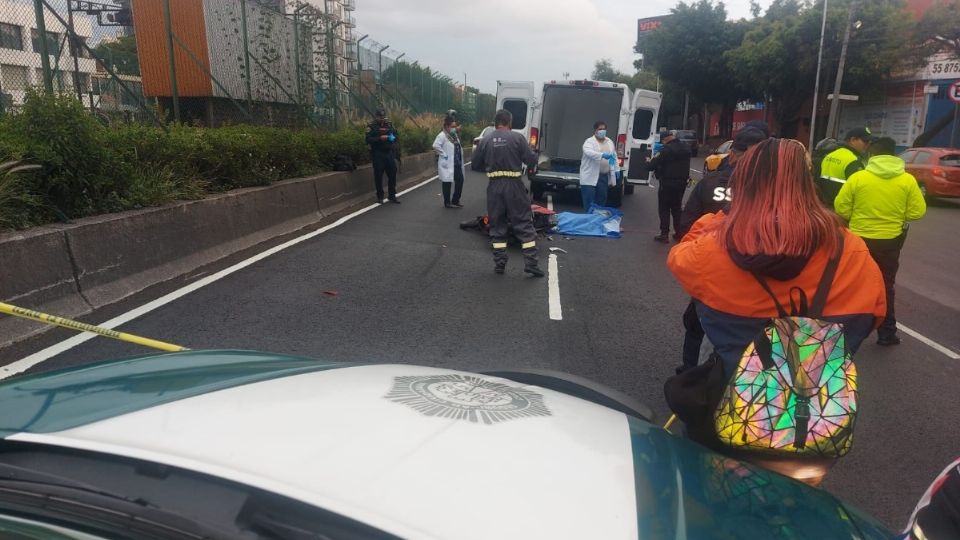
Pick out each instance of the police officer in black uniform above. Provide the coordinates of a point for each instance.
(709, 196)
(382, 138)
(502, 155)
(672, 166)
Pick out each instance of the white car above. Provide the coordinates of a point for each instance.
(238, 445)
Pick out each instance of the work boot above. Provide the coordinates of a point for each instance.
(535, 271)
(499, 268)
(663, 238)
(499, 256)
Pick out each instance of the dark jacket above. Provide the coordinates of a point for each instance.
(672, 162)
(709, 196)
(501, 151)
(375, 130)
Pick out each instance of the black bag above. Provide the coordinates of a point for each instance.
(693, 395)
(343, 162)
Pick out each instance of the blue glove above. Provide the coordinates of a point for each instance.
(391, 137)
(445, 157)
(607, 156)
(613, 162)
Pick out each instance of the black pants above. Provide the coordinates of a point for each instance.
(693, 338)
(886, 253)
(385, 163)
(508, 205)
(457, 185)
(670, 202)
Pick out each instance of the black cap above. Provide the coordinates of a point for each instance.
(747, 137)
(860, 133)
(380, 113)
(759, 124)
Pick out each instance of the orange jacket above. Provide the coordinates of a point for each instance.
(733, 307)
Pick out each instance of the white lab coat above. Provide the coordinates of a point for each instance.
(445, 149)
(592, 157)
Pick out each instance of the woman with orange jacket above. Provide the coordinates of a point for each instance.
(777, 228)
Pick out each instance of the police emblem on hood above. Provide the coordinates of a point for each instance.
(466, 397)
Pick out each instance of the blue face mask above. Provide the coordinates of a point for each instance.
(601, 133)
(453, 131)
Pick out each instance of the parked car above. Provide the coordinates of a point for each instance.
(232, 444)
(561, 118)
(711, 162)
(937, 170)
(690, 139)
(486, 131)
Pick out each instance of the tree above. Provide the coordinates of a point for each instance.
(776, 58)
(120, 55)
(687, 50)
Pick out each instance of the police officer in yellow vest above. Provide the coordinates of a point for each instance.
(838, 165)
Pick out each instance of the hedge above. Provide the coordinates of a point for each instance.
(87, 168)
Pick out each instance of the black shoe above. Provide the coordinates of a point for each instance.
(448, 205)
(457, 205)
(498, 269)
(662, 238)
(886, 341)
(380, 200)
(534, 271)
(394, 200)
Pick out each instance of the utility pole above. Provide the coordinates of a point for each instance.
(816, 85)
(835, 104)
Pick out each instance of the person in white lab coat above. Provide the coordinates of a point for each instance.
(450, 167)
(596, 174)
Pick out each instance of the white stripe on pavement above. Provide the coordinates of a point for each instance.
(40, 356)
(929, 342)
(556, 312)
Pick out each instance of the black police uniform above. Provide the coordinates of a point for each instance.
(672, 166)
(383, 156)
(502, 155)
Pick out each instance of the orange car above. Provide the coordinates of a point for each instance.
(937, 170)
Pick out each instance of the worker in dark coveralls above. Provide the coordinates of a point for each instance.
(502, 155)
(382, 138)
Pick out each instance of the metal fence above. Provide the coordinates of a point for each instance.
(214, 62)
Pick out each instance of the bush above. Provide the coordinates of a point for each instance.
(87, 168)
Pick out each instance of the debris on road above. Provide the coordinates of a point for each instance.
(331, 293)
(561, 250)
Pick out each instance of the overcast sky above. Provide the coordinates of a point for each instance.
(534, 40)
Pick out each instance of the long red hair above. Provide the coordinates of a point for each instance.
(775, 209)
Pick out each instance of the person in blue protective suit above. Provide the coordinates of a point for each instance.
(382, 138)
(597, 166)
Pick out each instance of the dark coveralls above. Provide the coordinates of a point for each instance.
(672, 166)
(709, 196)
(383, 156)
(501, 155)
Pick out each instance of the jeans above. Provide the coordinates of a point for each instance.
(595, 194)
(693, 338)
(886, 253)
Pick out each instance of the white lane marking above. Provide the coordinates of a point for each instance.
(553, 281)
(929, 342)
(549, 201)
(40, 356)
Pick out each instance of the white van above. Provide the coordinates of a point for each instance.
(562, 118)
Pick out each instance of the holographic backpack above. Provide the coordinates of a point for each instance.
(794, 392)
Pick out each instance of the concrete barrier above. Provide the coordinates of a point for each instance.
(69, 270)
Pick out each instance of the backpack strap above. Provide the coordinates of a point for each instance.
(823, 288)
(763, 283)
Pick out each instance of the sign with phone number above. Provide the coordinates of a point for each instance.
(943, 69)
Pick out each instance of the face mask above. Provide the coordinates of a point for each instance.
(601, 133)
(453, 131)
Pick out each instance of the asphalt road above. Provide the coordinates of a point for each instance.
(402, 283)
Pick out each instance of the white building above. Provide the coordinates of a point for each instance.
(20, 62)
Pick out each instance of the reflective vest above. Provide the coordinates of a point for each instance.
(834, 164)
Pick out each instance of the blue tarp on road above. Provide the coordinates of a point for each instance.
(598, 221)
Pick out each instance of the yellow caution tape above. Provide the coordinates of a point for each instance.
(83, 327)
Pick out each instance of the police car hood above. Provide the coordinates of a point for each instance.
(418, 452)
